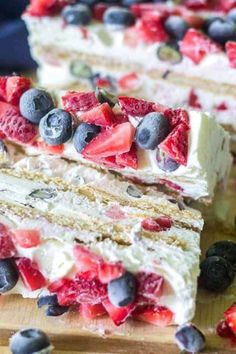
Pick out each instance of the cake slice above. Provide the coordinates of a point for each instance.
(78, 238)
(186, 151)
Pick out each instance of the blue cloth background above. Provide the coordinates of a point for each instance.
(14, 50)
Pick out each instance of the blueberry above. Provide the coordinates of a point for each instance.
(104, 96)
(208, 21)
(165, 162)
(90, 3)
(8, 275)
(47, 300)
(152, 130)
(232, 15)
(118, 17)
(53, 308)
(78, 14)
(169, 52)
(122, 291)
(29, 341)
(176, 27)
(224, 249)
(128, 3)
(34, 104)
(222, 31)
(190, 338)
(56, 127)
(56, 310)
(84, 134)
(216, 274)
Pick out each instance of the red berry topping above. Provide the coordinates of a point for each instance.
(135, 106)
(223, 330)
(79, 101)
(115, 212)
(230, 317)
(231, 53)
(113, 141)
(110, 271)
(150, 286)
(14, 126)
(30, 275)
(177, 116)
(3, 83)
(118, 314)
(197, 4)
(15, 87)
(162, 223)
(128, 159)
(227, 5)
(151, 28)
(27, 238)
(196, 45)
(86, 261)
(193, 100)
(101, 115)
(156, 315)
(7, 248)
(49, 149)
(98, 10)
(46, 7)
(129, 82)
(89, 312)
(222, 107)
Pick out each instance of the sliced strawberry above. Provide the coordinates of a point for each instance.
(3, 84)
(86, 260)
(116, 140)
(30, 275)
(193, 100)
(46, 7)
(79, 101)
(110, 271)
(101, 115)
(99, 9)
(135, 107)
(150, 286)
(156, 315)
(128, 159)
(115, 212)
(89, 312)
(231, 53)
(66, 292)
(227, 5)
(118, 314)
(230, 317)
(223, 330)
(222, 107)
(177, 116)
(27, 238)
(196, 45)
(14, 126)
(109, 161)
(57, 285)
(151, 28)
(197, 4)
(15, 87)
(103, 83)
(129, 81)
(7, 248)
(50, 149)
(162, 223)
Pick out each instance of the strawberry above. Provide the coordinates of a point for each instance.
(89, 312)
(177, 116)
(156, 315)
(197, 4)
(193, 99)
(128, 159)
(113, 141)
(85, 260)
(196, 45)
(46, 7)
(227, 5)
(223, 330)
(79, 101)
(110, 271)
(66, 293)
(99, 9)
(101, 115)
(151, 28)
(14, 126)
(49, 149)
(30, 275)
(15, 87)
(135, 107)
(222, 107)
(3, 84)
(118, 314)
(115, 212)
(27, 238)
(230, 317)
(103, 83)
(231, 53)
(57, 285)
(7, 248)
(129, 81)
(150, 286)
(162, 223)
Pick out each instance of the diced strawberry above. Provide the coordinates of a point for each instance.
(128, 159)
(50, 149)
(129, 81)
(171, 185)
(99, 9)
(27, 238)
(222, 107)
(230, 317)
(110, 271)
(79, 101)
(118, 314)
(121, 118)
(7, 248)
(135, 107)
(150, 286)
(196, 45)
(101, 115)
(15, 87)
(156, 315)
(57, 285)
(151, 28)
(177, 116)
(223, 330)
(193, 99)
(227, 5)
(176, 144)
(14, 126)
(46, 7)
(89, 312)
(231, 53)
(103, 83)
(197, 4)
(86, 260)
(3, 83)
(32, 278)
(162, 223)
(113, 141)
(115, 212)
(67, 293)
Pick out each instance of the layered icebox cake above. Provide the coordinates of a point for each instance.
(185, 151)
(176, 55)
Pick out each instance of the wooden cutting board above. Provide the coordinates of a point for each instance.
(71, 334)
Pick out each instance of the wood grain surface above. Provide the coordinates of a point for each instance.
(71, 334)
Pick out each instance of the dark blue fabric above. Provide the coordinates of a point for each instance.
(14, 49)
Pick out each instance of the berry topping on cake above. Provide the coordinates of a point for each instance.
(231, 53)
(118, 18)
(165, 162)
(216, 274)
(115, 140)
(86, 261)
(12, 87)
(156, 315)
(110, 271)
(79, 101)
(77, 14)
(27, 238)
(118, 314)
(135, 107)
(128, 159)
(176, 27)
(7, 248)
(162, 223)
(56, 127)
(169, 52)
(103, 96)
(129, 81)
(8, 275)
(222, 30)
(84, 134)
(13, 126)
(196, 46)
(190, 338)
(89, 312)
(150, 28)
(150, 286)
(193, 100)
(101, 115)
(122, 291)
(230, 317)
(224, 249)
(152, 130)
(30, 274)
(30, 341)
(99, 10)
(223, 330)
(46, 7)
